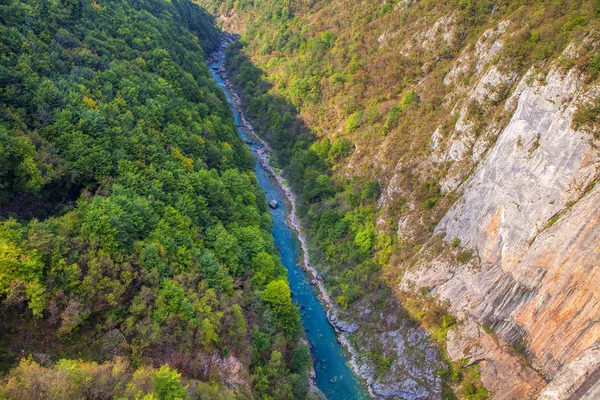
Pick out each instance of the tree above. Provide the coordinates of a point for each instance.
(301, 359)
(215, 273)
(227, 250)
(263, 266)
(21, 272)
(277, 294)
(20, 171)
(239, 326)
(167, 384)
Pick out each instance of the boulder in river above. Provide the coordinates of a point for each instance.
(273, 204)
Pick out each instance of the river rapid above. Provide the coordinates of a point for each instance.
(333, 364)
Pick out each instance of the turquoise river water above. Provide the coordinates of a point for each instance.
(334, 377)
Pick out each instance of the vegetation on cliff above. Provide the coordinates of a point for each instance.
(349, 94)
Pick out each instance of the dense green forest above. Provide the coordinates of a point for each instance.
(135, 247)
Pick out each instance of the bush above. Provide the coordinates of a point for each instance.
(354, 122)
(371, 191)
(586, 115)
(464, 256)
(430, 203)
(167, 384)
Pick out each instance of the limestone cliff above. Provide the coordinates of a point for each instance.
(530, 213)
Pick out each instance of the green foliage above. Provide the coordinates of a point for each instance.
(167, 384)
(260, 344)
(22, 271)
(573, 22)
(277, 294)
(586, 115)
(354, 122)
(240, 328)
(411, 97)
(378, 357)
(488, 329)
(21, 171)
(464, 256)
(115, 379)
(430, 194)
(371, 191)
(215, 273)
(364, 240)
(594, 66)
(138, 210)
(471, 385)
(393, 116)
(265, 269)
(339, 148)
(301, 359)
(430, 203)
(391, 120)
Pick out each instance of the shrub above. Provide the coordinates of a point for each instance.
(586, 114)
(464, 256)
(371, 190)
(354, 121)
(430, 203)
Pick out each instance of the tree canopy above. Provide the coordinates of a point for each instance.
(129, 210)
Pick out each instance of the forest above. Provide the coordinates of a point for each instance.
(135, 245)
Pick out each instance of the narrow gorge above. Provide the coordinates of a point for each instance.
(300, 199)
(331, 373)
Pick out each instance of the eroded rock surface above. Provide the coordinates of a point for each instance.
(530, 213)
(575, 374)
(498, 364)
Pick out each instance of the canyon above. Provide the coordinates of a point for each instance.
(299, 199)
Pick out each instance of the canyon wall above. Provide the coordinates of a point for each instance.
(529, 213)
(487, 180)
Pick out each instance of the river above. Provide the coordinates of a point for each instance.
(334, 377)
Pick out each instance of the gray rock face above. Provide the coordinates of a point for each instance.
(413, 374)
(528, 211)
(488, 46)
(443, 30)
(536, 167)
(534, 228)
(343, 326)
(573, 375)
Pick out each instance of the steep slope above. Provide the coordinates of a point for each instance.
(446, 152)
(133, 232)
